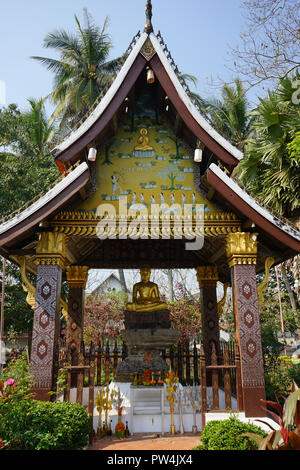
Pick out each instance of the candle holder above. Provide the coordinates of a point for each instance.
(104, 402)
(118, 403)
(194, 398)
(171, 381)
(179, 397)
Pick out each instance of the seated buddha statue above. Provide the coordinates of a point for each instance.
(143, 141)
(145, 297)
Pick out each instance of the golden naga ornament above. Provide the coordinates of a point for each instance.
(221, 302)
(264, 284)
(241, 248)
(145, 297)
(30, 289)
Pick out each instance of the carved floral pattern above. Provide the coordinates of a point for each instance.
(45, 327)
(247, 316)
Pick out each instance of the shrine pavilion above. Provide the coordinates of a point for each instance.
(144, 144)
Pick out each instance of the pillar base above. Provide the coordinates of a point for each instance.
(252, 397)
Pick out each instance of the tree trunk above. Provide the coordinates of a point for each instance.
(290, 292)
(170, 285)
(288, 287)
(122, 279)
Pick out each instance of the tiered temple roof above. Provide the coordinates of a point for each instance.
(277, 238)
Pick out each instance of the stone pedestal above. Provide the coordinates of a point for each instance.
(146, 332)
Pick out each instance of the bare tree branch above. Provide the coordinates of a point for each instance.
(269, 47)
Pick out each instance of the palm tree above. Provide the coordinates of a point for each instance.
(38, 127)
(267, 168)
(83, 70)
(229, 115)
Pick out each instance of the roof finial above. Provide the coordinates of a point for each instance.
(148, 26)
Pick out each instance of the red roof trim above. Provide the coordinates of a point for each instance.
(236, 201)
(108, 114)
(187, 117)
(18, 231)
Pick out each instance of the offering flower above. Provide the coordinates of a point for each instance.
(147, 357)
(10, 382)
(120, 429)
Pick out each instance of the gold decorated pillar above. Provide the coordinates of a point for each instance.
(241, 251)
(77, 278)
(50, 258)
(207, 277)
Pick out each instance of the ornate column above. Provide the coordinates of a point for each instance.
(241, 250)
(77, 278)
(50, 257)
(207, 277)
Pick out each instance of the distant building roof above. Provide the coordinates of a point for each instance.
(107, 285)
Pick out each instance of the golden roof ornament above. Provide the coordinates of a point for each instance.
(148, 26)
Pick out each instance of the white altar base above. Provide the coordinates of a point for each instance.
(148, 417)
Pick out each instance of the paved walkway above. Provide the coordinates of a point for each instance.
(141, 441)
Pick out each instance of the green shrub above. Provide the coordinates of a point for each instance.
(18, 369)
(36, 425)
(223, 435)
(279, 375)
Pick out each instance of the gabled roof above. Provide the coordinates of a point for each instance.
(246, 204)
(19, 231)
(47, 205)
(106, 281)
(147, 52)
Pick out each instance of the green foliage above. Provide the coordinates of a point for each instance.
(229, 114)
(294, 150)
(292, 368)
(280, 372)
(277, 381)
(18, 314)
(104, 315)
(287, 416)
(185, 316)
(26, 164)
(27, 169)
(34, 425)
(224, 435)
(83, 68)
(267, 169)
(18, 369)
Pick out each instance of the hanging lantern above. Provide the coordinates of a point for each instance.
(198, 155)
(150, 76)
(92, 154)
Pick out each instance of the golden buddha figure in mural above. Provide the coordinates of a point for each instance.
(145, 297)
(143, 141)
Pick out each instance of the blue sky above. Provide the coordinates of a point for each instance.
(199, 34)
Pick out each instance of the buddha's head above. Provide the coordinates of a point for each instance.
(145, 274)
